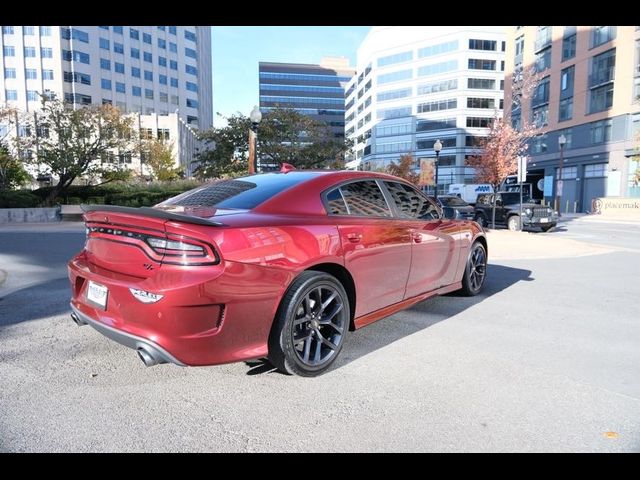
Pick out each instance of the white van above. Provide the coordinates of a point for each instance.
(469, 191)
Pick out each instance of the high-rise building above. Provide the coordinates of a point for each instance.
(314, 90)
(145, 69)
(415, 85)
(588, 93)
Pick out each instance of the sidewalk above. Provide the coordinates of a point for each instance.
(586, 217)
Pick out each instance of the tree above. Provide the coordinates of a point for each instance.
(70, 143)
(498, 154)
(284, 136)
(404, 169)
(12, 175)
(159, 157)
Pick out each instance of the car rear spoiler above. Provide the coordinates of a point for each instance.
(150, 212)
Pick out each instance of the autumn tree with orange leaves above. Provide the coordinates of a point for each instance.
(404, 168)
(498, 152)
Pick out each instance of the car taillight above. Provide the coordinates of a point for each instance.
(183, 251)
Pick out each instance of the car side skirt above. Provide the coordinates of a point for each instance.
(396, 307)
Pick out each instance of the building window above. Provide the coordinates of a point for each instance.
(148, 93)
(192, 103)
(164, 97)
(174, 82)
(117, 29)
(436, 87)
(566, 80)
(31, 74)
(133, 33)
(46, 52)
(162, 79)
(479, 122)
(600, 35)
(103, 27)
(78, 98)
(543, 37)
(162, 43)
(519, 50)
(395, 76)
(11, 94)
(29, 51)
(566, 109)
(543, 60)
(595, 170)
(192, 87)
(7, 29)
(147, 57)
(438, 105)
(136, 91)
(481, 83)
(172, 30)
(105, 84)
(435, 68)
(75, 33)
(395, 58)
(568, 47)
(393, 112)
(541, 93)
(29, 30)
(603, 68)
(104, 43)
(190, 52)
(540, 115)
(427, 125)
(105, 64)
(173, 47)
(135, 52)
(173, 65)
(161, 27)
(481, 64)
(391, 94)
(32, 96)
(568, 136)
(118, 67)
(190, 36)
(9, 51)
(148, 75)
(473, 102)
(9, 72)
(118, 48)
(191, 69)
(176, 101)
(601, 98)
(438, 49)
(601, 131)
(146, 38)
(77, 77)
(162, 61)
(75, 56)
(428, 144)
(135, 72)
(482, 44)
(539, 144)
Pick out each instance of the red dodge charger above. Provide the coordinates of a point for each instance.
(277, 265)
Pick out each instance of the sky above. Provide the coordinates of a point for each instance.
(237, 50)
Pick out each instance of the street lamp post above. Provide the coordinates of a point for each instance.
(437, 147)
(255, 116)
(562, 140)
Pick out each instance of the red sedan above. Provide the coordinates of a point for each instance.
(277, 265)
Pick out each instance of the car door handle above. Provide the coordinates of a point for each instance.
(354, 237)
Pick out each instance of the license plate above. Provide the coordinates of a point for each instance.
(97, 294)
(544, 220)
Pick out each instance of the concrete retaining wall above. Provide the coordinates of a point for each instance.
(25, 215)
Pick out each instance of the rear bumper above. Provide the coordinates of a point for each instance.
(126, 339)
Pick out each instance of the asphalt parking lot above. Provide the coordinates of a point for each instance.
(546, 359)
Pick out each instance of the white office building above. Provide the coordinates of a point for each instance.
(414, 85)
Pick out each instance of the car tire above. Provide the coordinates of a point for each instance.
(513, 223)
(310, 325)
(481, 220)
(475, 270)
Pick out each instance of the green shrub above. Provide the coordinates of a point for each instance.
(18, 199)
(74, 201)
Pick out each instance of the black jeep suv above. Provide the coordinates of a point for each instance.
(508, 212)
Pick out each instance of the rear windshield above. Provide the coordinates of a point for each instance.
(240, 193)
(453, 202)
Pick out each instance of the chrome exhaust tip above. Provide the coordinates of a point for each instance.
(149, 357)
(77, 320)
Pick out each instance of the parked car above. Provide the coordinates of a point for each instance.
(454, 207)
(508, 212)
(277, 265)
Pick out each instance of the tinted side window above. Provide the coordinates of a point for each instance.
(335, 203)
(410, 202)
(365, 199)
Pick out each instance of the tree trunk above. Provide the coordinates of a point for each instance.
(493, 207)
(62, 185)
